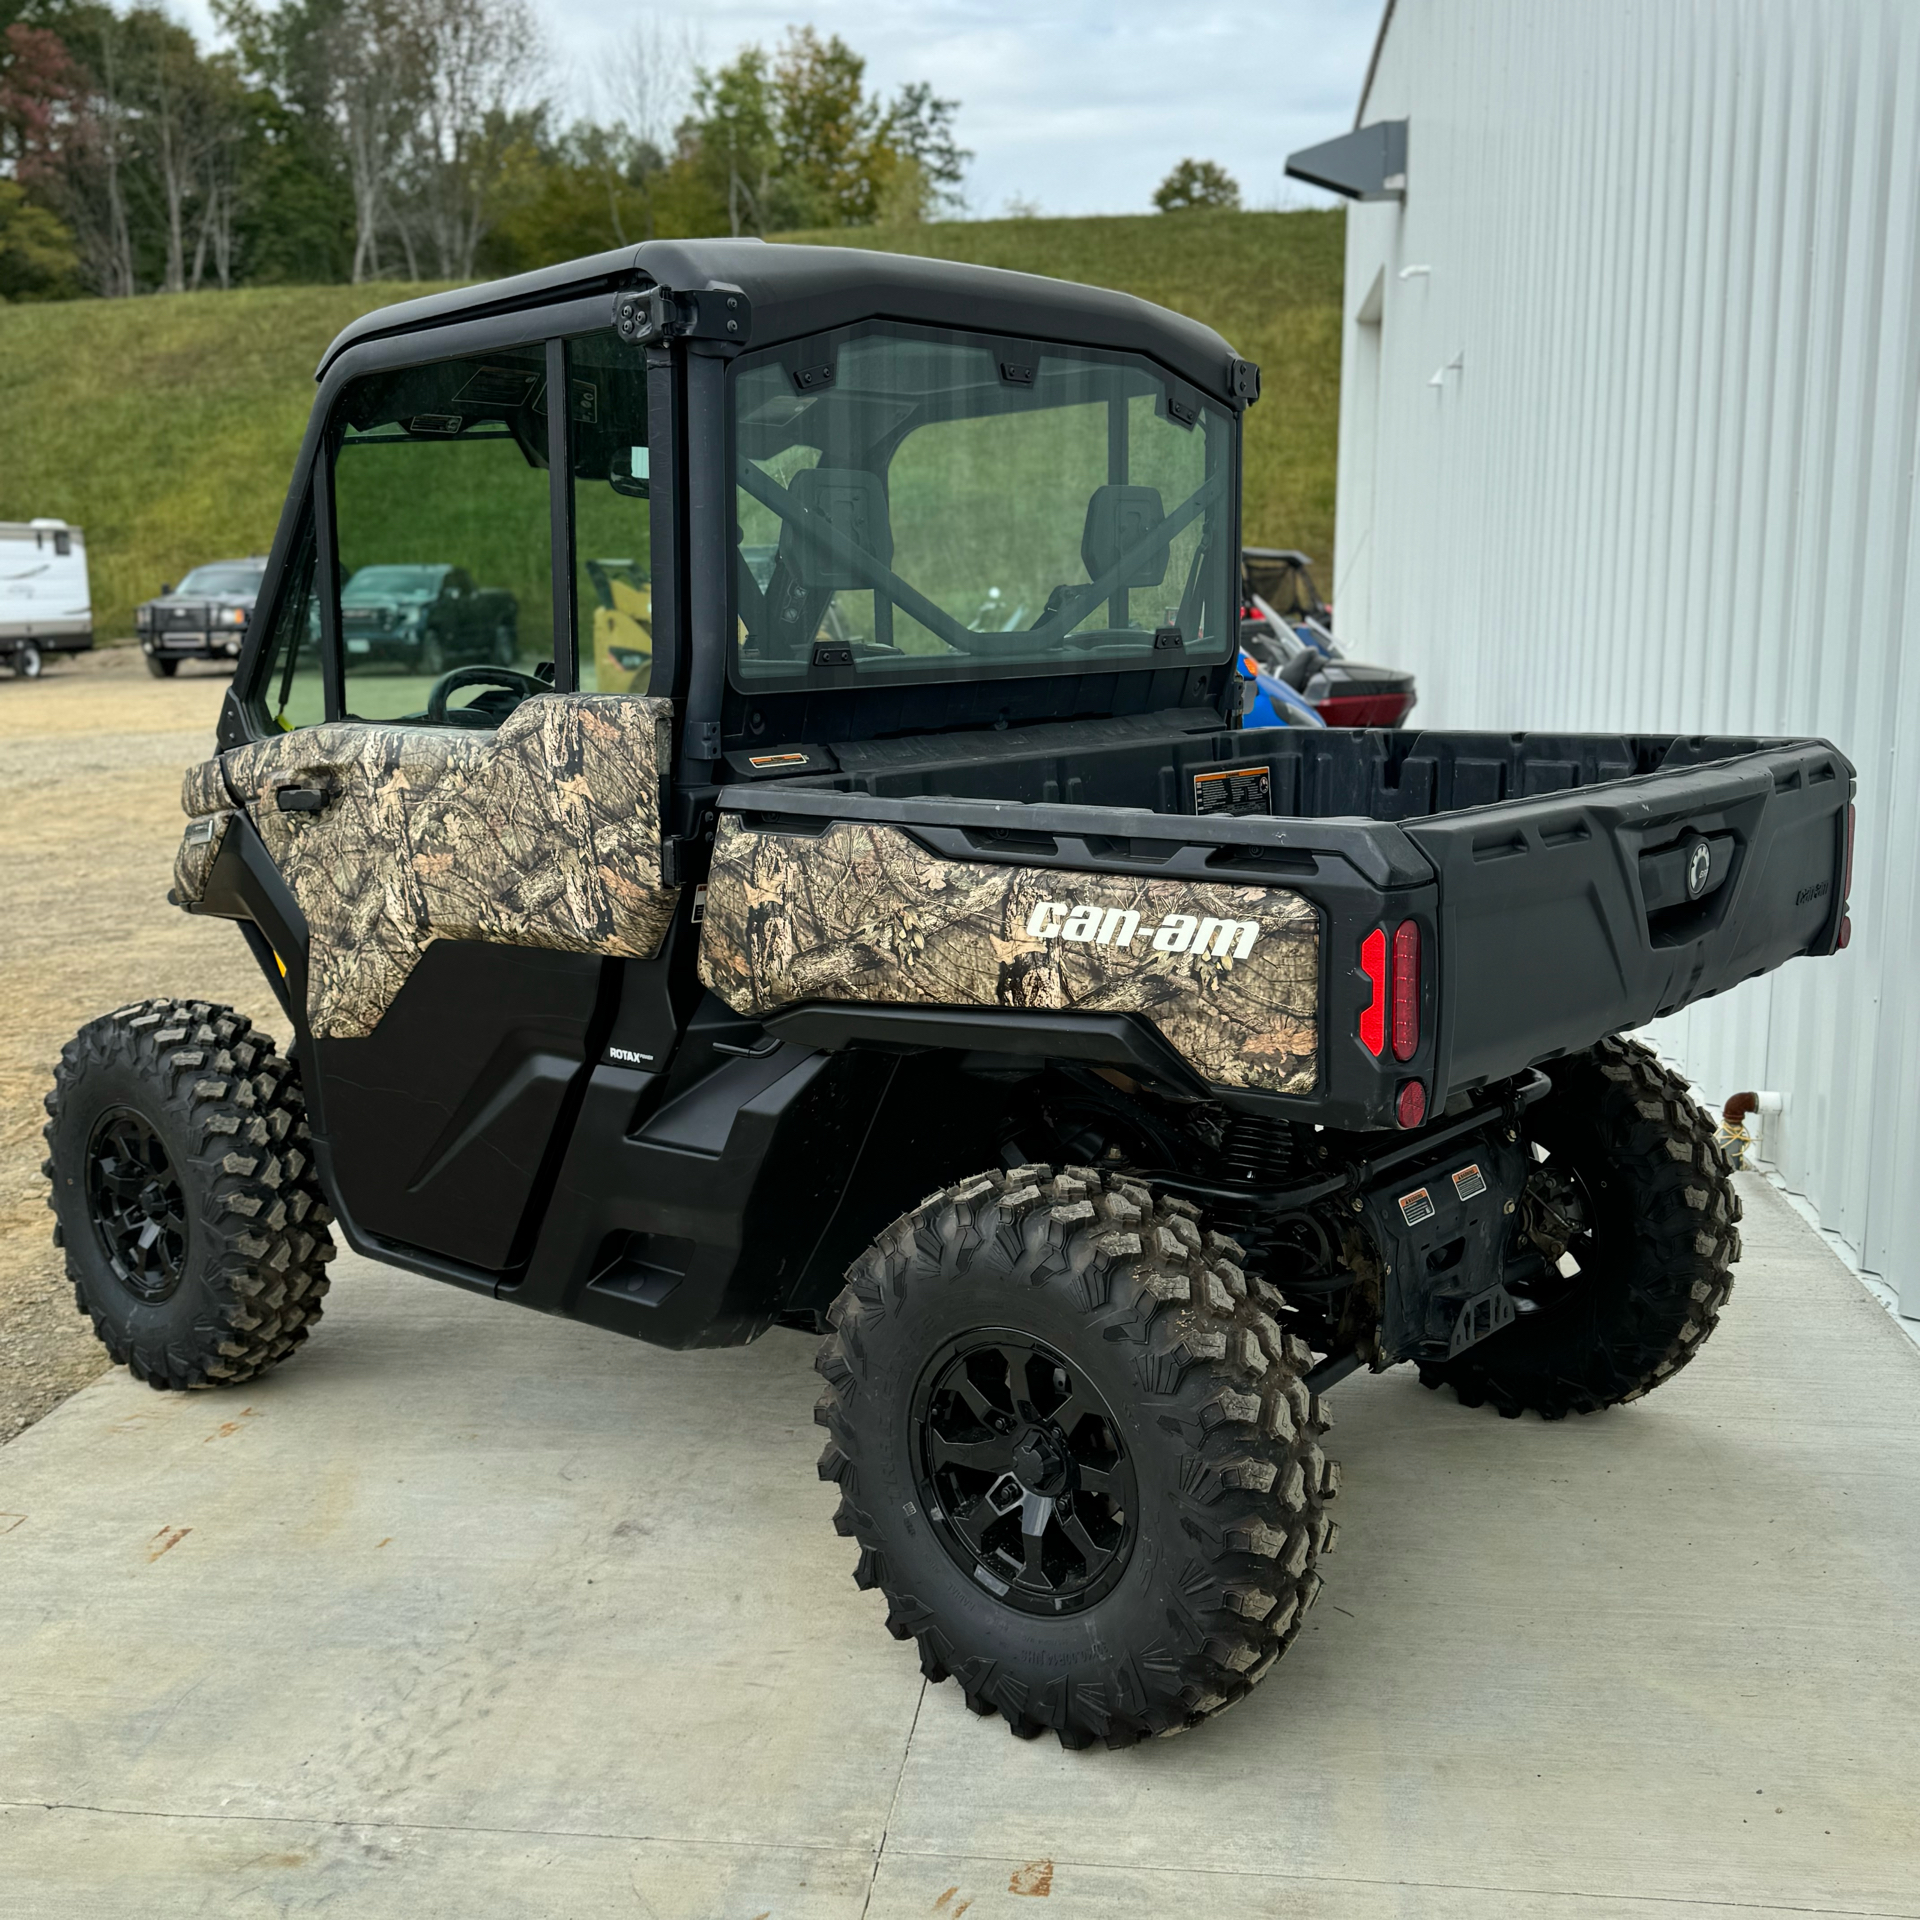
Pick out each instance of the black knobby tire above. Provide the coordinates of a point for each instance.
(1220, 1434)
(162, 669)
(1659, 1258)
(234, 1278)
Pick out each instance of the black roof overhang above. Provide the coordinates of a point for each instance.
(796, 292)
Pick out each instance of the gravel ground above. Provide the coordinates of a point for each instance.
(90, 765)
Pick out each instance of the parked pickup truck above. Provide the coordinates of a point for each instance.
(203, 618)
(1098, 1078)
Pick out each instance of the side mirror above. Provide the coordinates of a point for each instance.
(629, 470)
(166, 586)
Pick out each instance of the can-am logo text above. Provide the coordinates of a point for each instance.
(1117, 926)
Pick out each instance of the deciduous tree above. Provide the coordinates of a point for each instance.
(1196, 183)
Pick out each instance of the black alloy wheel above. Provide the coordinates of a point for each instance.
(185, 1196)
(1074, 1445)
(1020, 1465)
(138, 1209)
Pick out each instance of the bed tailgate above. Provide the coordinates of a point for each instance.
(1566, 918)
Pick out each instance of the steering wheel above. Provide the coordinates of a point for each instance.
(524, 684)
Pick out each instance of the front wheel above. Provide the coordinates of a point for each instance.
(433, 652)
(27, 663)
(1075, 1448)
(184, 1193)
(161, 668)
(1632, 1208)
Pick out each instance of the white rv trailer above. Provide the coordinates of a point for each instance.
(45, 604)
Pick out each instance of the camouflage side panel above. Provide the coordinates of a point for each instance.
(199, 848)
(203, 789)
(545, 833)
(1230, 975)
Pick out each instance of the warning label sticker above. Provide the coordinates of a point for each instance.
(1233, 790)
(1416, 1206)
(1469, 1182)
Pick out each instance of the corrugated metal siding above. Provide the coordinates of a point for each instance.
(1665, 477)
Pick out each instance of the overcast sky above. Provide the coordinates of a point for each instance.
(1078, 106)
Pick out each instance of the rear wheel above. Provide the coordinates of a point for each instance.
(1073, 1444)
(433, 652)
(161, 668)
(1632, 1206)
(27, 663)
(184, 1193)
(506, 644)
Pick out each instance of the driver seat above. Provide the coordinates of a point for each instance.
(807, 573)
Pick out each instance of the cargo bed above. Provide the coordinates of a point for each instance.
(1563, 887)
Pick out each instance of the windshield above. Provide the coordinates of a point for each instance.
(238, 580)
(915, 502)
(383, 582)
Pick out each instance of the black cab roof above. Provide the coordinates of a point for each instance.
(796, 291)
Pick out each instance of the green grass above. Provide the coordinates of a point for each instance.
(167, 426)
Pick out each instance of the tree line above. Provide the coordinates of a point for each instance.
(421, 139)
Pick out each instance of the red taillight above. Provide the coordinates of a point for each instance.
(1364, 709)
(1406, 990)
(1373, 1018)
(1411, 1108)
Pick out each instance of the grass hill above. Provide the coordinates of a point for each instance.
(167, 426)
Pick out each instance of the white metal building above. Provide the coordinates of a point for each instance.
(1629, 418)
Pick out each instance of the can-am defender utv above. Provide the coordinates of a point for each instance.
(924, 956)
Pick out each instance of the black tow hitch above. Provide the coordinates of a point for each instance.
(1445, 1228)
(1445, 1212)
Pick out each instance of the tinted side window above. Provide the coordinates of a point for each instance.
(444, 530)
(291, 691)
(613, 590)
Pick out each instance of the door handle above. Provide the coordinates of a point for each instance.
(302, 799)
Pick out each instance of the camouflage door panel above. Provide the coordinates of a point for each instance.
(545, 833)
(1230, 975)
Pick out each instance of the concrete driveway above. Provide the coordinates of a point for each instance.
(470, 1613)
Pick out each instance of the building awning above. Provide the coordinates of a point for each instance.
(1367, 164)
